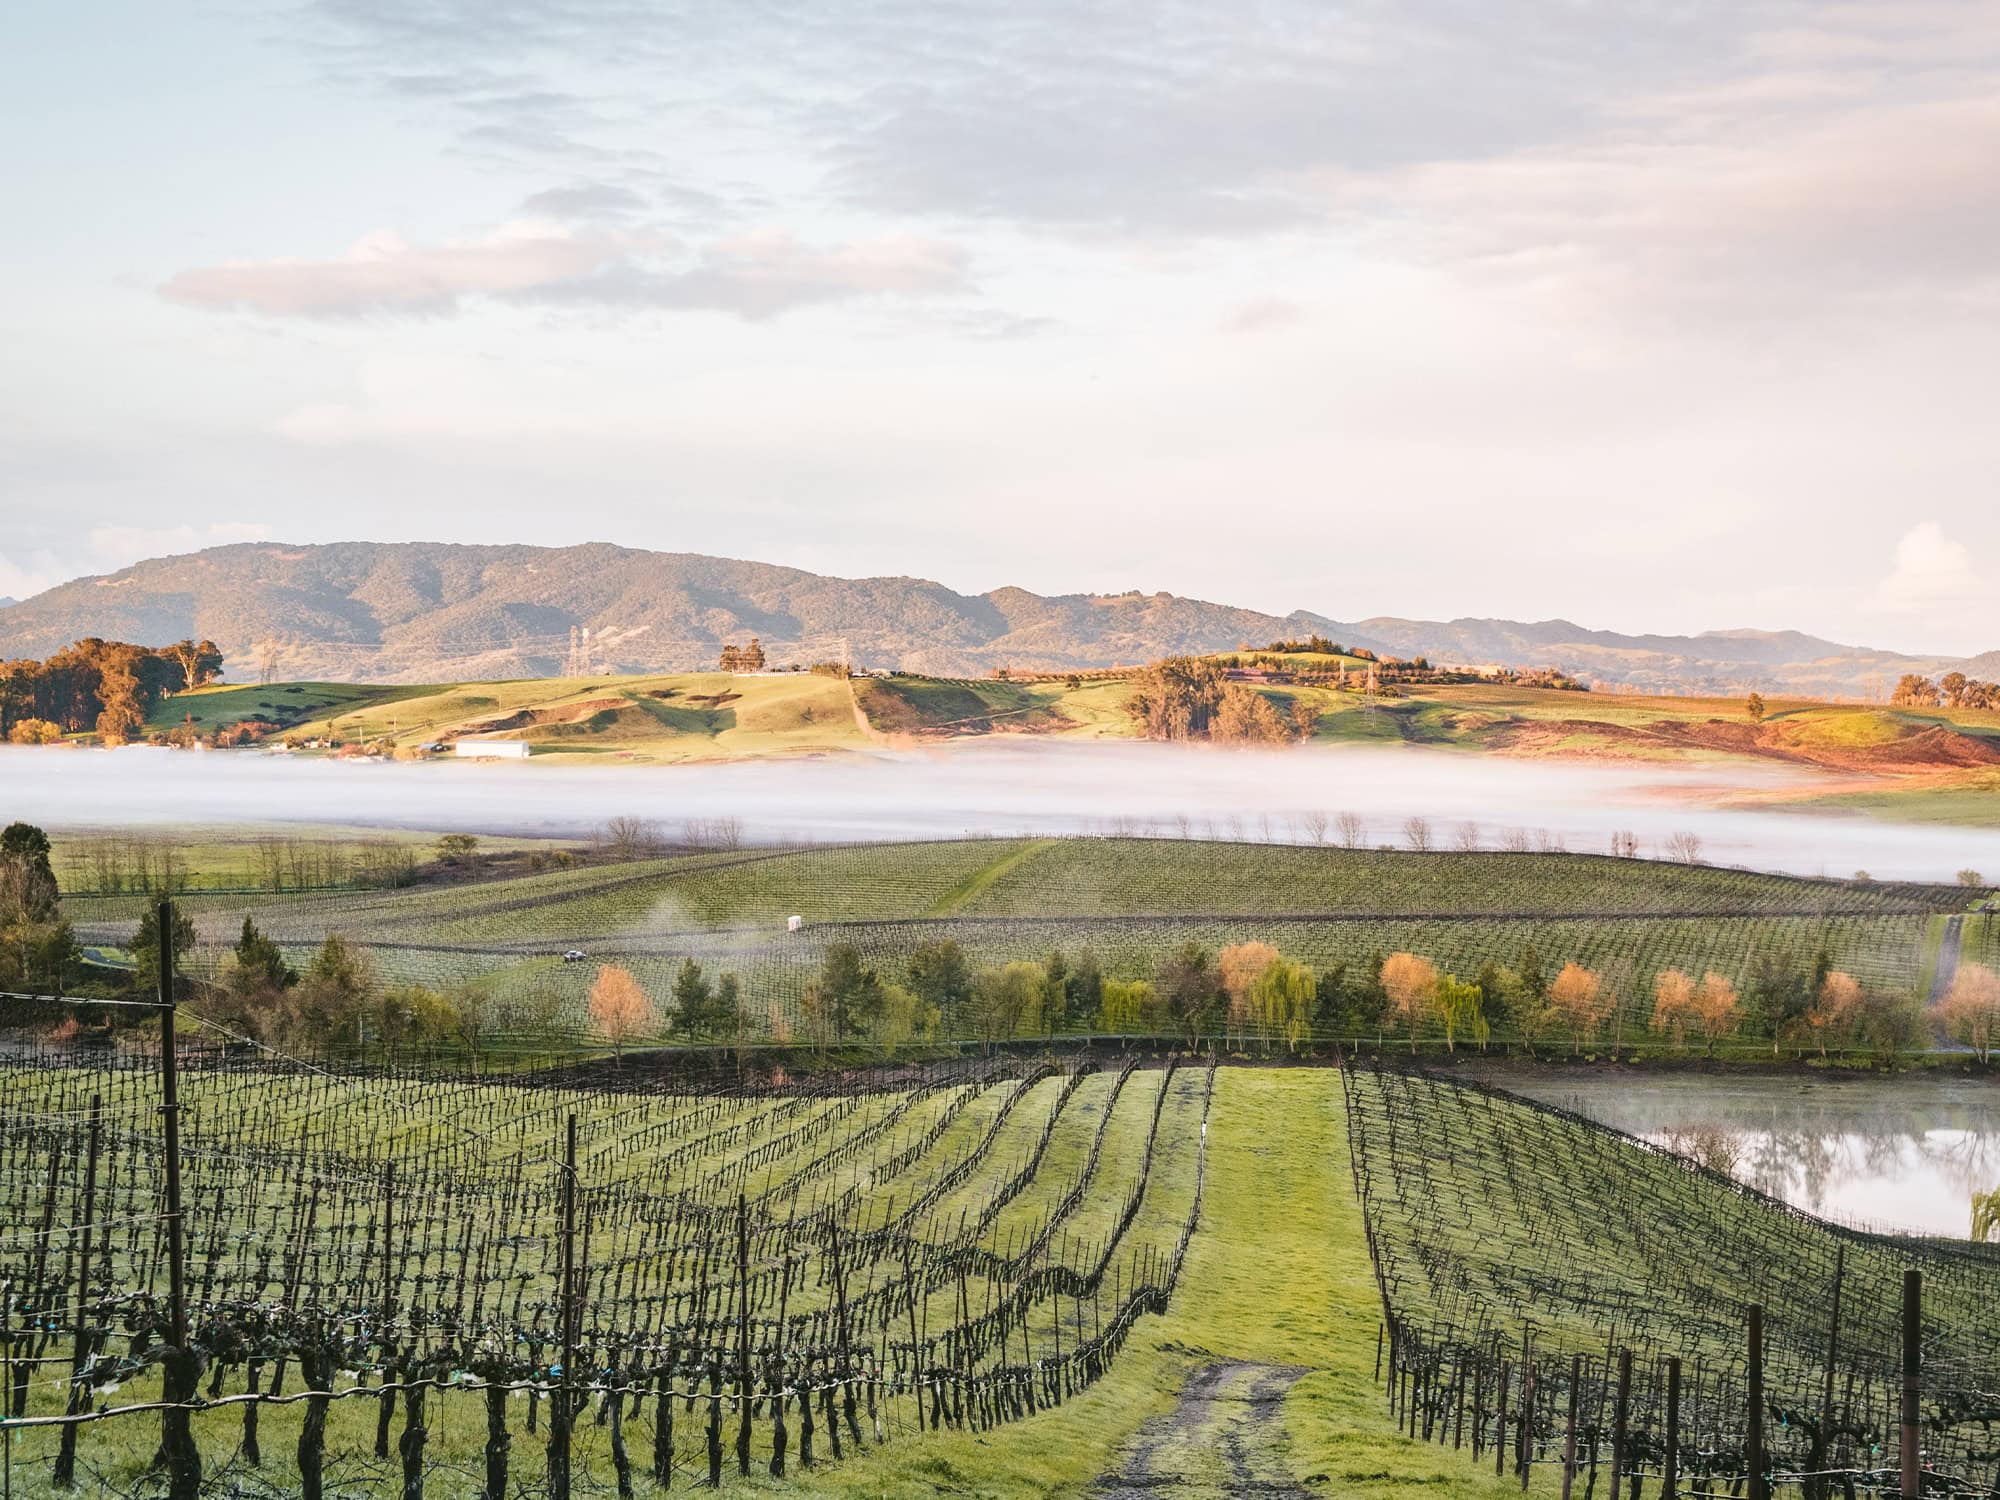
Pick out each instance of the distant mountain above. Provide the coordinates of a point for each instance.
(425, 611)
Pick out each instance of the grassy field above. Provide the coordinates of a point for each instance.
(1129, 902)
(708, 715)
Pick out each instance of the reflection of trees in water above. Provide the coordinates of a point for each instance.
(1803, 1143)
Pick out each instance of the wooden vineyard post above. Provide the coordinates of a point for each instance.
(1527, 1424)
(1754, 1397)
(176, 1425)
(562, 1409)
(1832, 1357)
(1569, 1430)
(743, 1335)
(781, 1366)
(1670, 1459)
(847, 1398)
(1500, 1427)
(65, 1470)
(1621, 1417)
(1913, 1353)
(388, 1397)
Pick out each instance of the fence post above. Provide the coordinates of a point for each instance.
(1620, 1420)
(177, 1431)
(1569, 1434)
(743, 1335)
(563, 1408)
(1670, 1466)
(1500, 1429)
(1825, 1447)
(1913, 1336)
(1760, 1488)
(65, 1471)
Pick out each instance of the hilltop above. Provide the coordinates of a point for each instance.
(408, 612)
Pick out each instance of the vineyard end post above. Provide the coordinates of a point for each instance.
(1913, 1335)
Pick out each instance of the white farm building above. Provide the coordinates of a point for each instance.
(490, 749)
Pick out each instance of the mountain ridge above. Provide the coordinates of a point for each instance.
(428, 611)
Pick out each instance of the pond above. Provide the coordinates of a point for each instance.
(1903, 1154)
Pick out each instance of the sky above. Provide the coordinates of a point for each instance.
(1663, 315)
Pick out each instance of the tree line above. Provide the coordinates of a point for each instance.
(96, 685)
(1953, 690)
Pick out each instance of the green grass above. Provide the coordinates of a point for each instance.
(970, 890)
(287, 704)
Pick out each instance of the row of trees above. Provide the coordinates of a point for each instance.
(106, 686)
(1953, 690)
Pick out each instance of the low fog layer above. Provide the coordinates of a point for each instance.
(1006, 787)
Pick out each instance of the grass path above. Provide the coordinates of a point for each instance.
(981, 880)
(1259, 1379)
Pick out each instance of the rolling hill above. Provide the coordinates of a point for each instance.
(424, 611)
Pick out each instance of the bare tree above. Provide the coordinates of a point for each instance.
(1516, 841)
(1314, 824)
(629, 838)
(1684, 848)
(1417, 834)
(1353, 833)
(1624, 844)
(1467, 838)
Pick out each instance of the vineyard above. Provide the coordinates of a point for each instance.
(1128, 902)
(1614, 1294)
(395, 1281)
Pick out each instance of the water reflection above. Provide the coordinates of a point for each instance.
(1895, 1153)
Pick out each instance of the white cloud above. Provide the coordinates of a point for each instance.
(755, 275)
(383, 273)
(1933, 573)
(29, 576)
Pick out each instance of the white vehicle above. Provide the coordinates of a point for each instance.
(574, 956)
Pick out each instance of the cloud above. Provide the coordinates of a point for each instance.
(1744, 215)
(755, 275)
(385, 274)
(28, 577)
(588, 201)
(1261, 313)
(762, 274)
(1933, 573)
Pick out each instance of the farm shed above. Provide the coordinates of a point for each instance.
(490, 749)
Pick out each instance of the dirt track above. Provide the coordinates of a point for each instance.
(1221, 1438)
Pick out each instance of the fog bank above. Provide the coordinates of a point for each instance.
(1005, 787)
